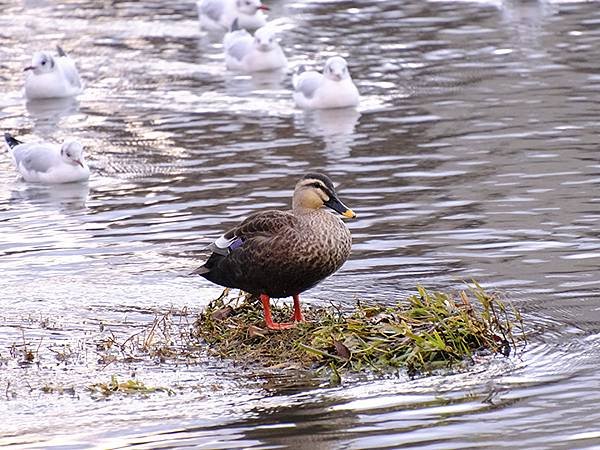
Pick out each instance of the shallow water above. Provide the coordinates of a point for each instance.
(473, 155)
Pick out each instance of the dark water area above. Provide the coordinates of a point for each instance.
(473, 155)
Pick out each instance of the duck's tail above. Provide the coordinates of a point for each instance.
(200, 270)
(11, 142)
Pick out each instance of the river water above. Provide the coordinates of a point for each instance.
(473, 155)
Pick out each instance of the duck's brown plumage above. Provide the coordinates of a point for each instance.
(283, 253)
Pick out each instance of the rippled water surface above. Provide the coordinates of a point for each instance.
(474, 154)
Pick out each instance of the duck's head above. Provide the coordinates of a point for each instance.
(315, 190)
(72, 152)
(250, 6)
(336, 69)
(41, 62)
(264, 39)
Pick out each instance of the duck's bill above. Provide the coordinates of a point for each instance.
(335, 204)
(264, 8)
(28, 68)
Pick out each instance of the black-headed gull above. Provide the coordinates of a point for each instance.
(52, 76)
(333, 88)
(253, 54)
(48, 163)
(218, 15)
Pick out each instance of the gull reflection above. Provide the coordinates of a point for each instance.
(47, 112)
(335, 126)
(527, 20)
(244, 84)
(65, 197)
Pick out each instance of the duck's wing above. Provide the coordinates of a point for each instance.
(255, 229)
(264, 223)
(307, 83)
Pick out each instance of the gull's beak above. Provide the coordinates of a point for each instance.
(28, 68)
(335, 204)
(338, 77)
(78, 161)
(264, 7)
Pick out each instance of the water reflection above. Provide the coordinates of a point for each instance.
(335, 126)
(48, 113)
(245, 84)
(66, 197)
(526, 21)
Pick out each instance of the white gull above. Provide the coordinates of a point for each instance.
(52, 76)
(333, 88)
(48, 163)
(218, 15)
(253, 54)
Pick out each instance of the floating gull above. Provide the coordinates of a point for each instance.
(48, 163)
(49, 76)
(218, 15)
(331, 89)
(253, 54)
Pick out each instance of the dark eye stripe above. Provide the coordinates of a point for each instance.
(322, 187)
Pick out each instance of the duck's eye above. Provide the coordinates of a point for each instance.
(44, 63)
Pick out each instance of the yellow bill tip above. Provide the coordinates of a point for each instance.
(349, 214)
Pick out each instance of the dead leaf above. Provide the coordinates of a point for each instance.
(222, 313)
(342, 351)
(254, 331)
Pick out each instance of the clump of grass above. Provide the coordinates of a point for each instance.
(127, 387)
(429, 331)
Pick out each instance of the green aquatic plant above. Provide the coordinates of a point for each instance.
(427, 331)
(127, 387)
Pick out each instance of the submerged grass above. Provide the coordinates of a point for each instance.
(429, 331)
(127, 387)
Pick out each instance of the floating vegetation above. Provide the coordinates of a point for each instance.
(53, 388)
(429, 331)
(126, 387)
(166, 338)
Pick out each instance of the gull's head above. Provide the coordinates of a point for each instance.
(41, 62)
(264, 39)
(72, 152)
(336, 68)
(250, 7)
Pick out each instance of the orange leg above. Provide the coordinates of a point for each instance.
(269, 320)
(297, 317)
